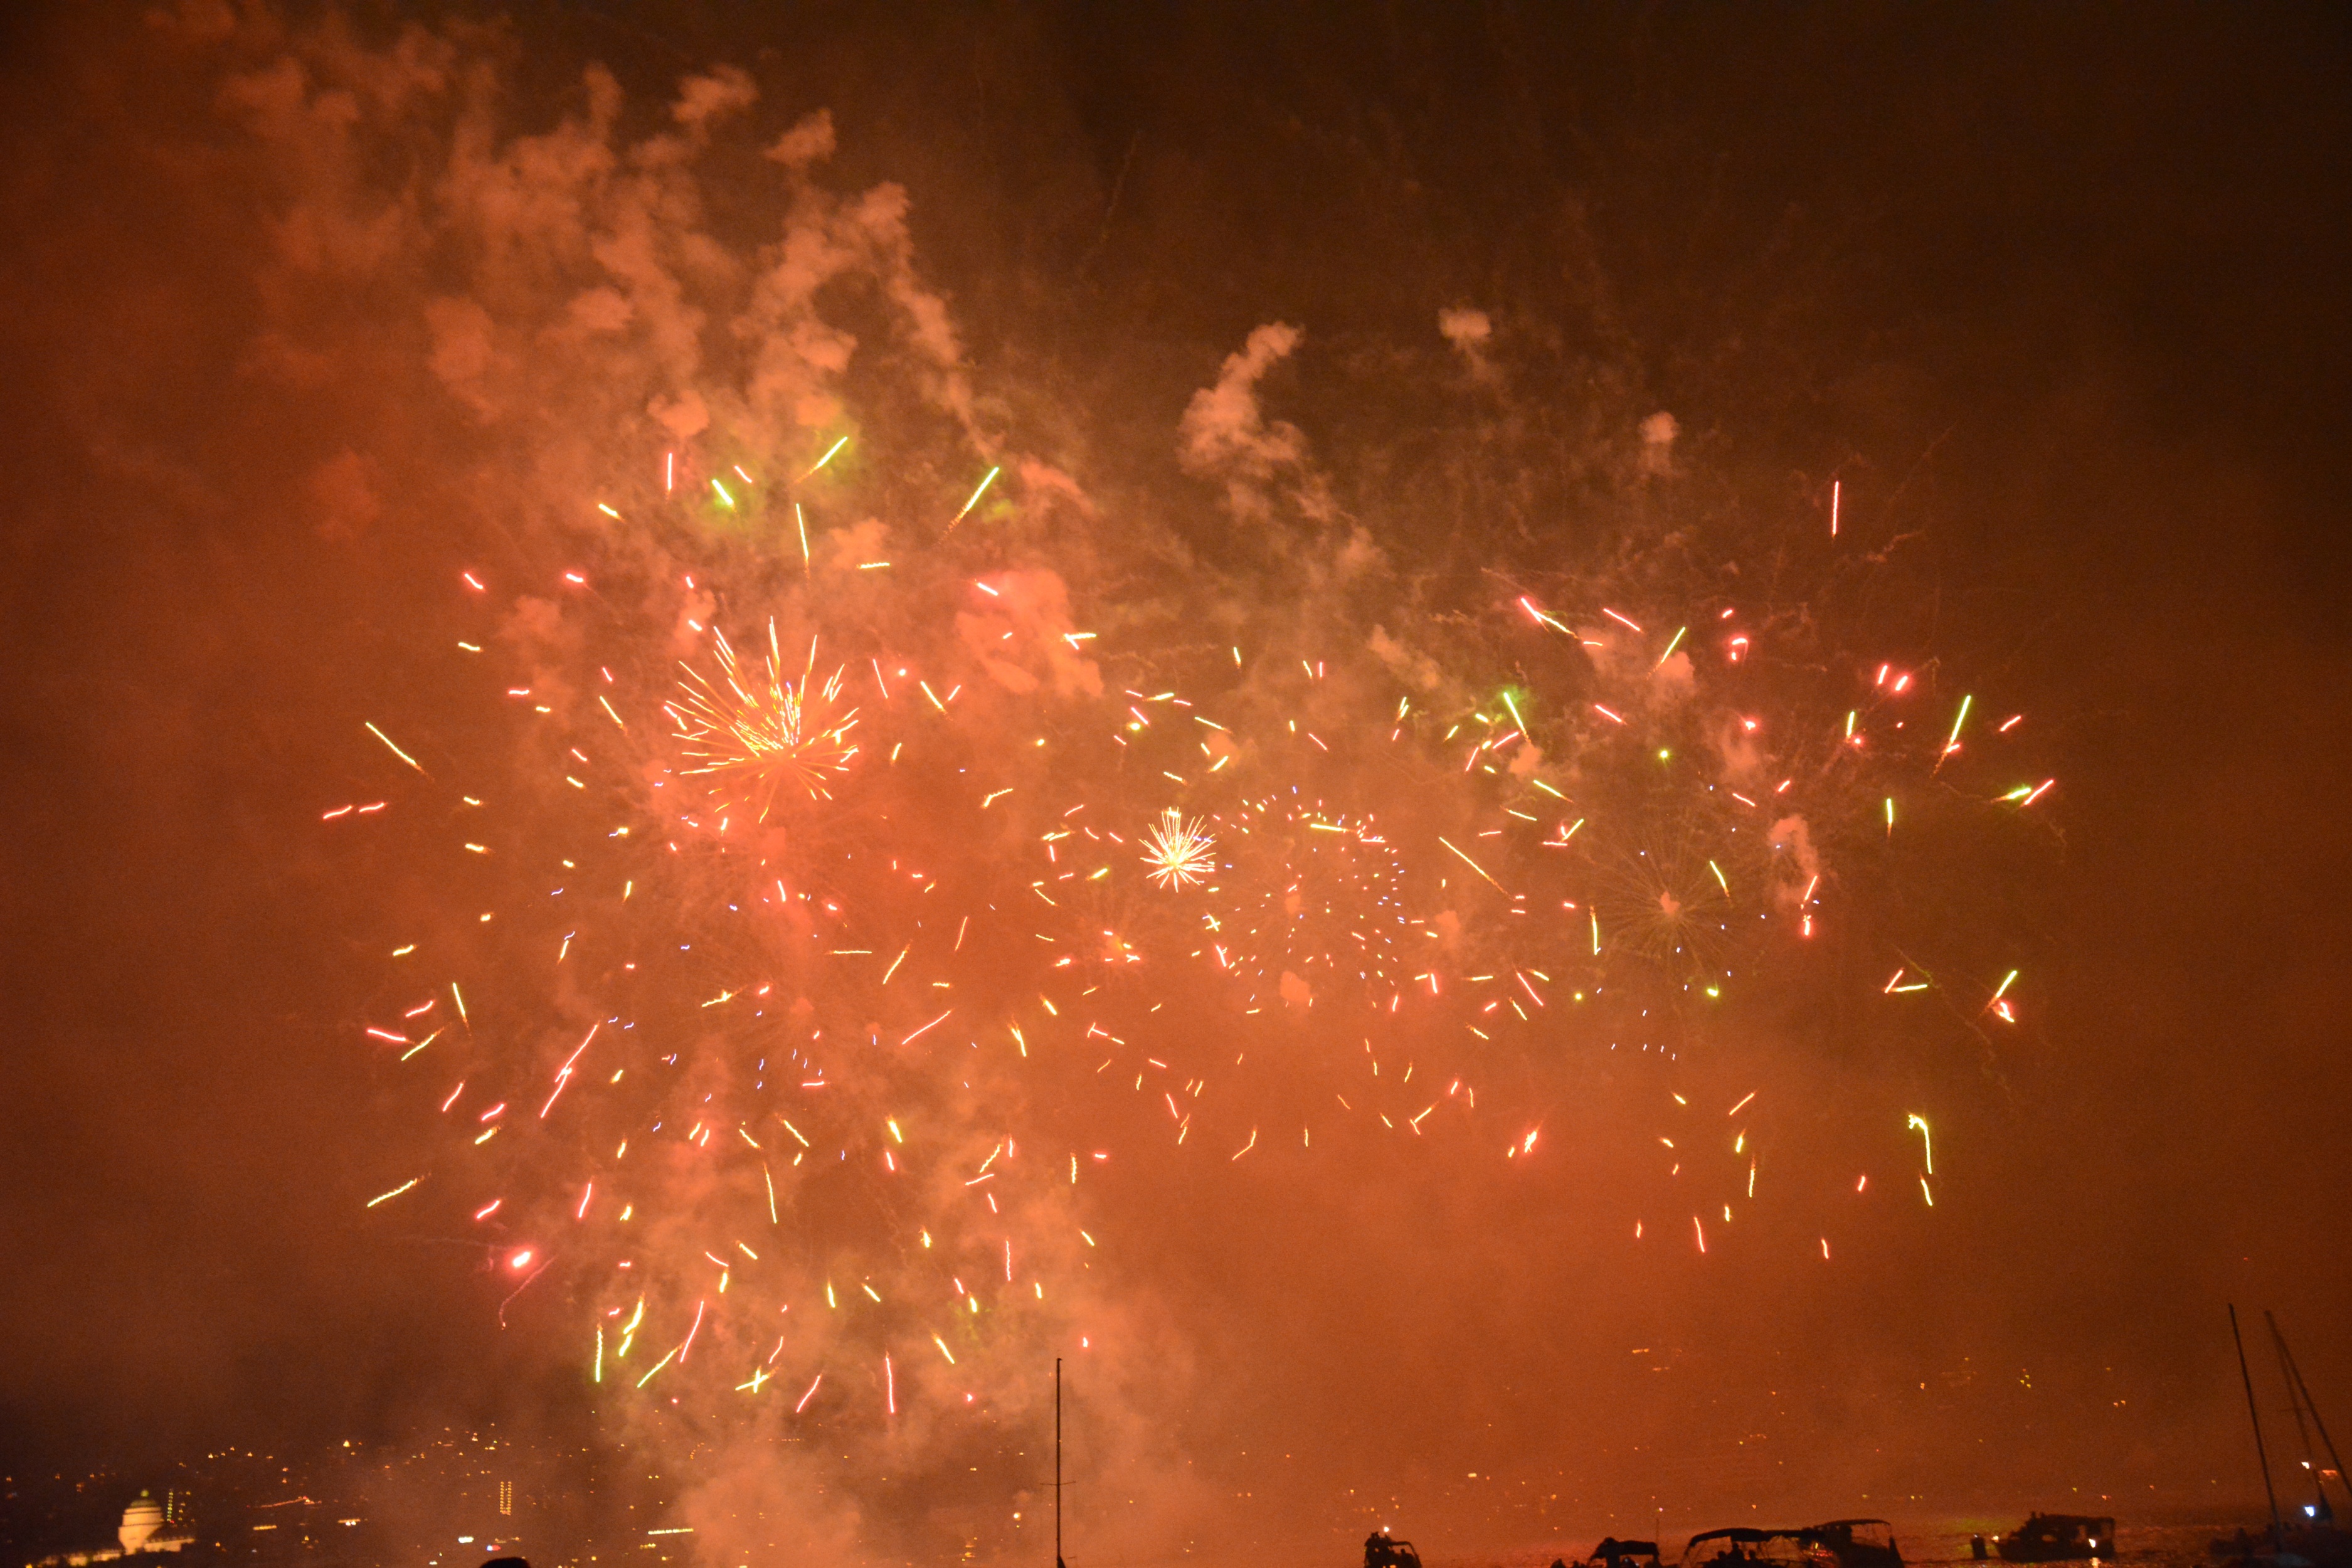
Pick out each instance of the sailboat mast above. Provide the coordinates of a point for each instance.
(1057, 1463)
(2303, 1389)
(2278, 1529)
(2295, 1402)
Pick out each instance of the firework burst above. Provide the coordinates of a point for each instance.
(762, 729)
(1178, 851)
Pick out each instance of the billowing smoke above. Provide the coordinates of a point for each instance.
(775, 990)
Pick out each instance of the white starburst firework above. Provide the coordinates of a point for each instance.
(1177, 850)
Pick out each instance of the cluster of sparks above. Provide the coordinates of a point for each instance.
(764, 1012)
(1177, 850)
(761, 728)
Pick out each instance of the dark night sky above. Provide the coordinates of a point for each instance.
(2064, 288)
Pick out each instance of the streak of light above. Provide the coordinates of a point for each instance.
(1474, 865)
(656, 1367)
(828, 456)
(396, 752)
(986, 480)
(387, 1198)
(563, 1073)
(1952, 741)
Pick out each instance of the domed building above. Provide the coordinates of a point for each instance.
(140, 1524)
(142, 1532)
